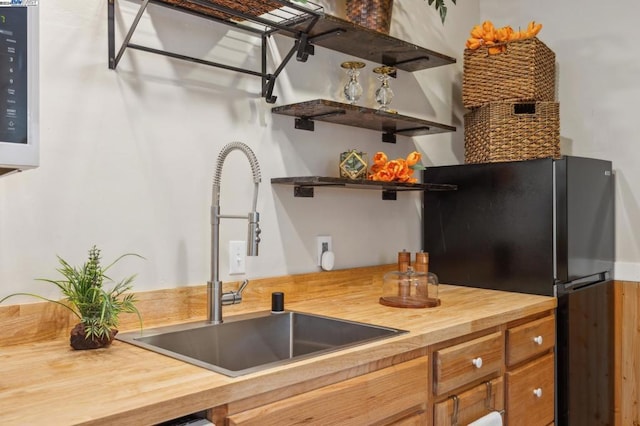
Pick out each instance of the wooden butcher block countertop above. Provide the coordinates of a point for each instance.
(45, 382)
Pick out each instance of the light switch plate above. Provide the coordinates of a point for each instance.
(237, 257)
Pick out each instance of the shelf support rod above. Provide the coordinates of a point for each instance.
(306, 122)
(195, 60)
(111, 32)
(412, 129)
(113, 62)
(389, 136)
(408, 61)
(269, 80)
(390, 195)
(303, 191)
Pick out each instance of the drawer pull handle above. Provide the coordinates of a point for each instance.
(477, 362)
(538, 340)
(538, 392)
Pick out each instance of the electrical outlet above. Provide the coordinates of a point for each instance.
(237, 257)
(323, 243)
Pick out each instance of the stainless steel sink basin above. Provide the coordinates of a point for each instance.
(249, 343)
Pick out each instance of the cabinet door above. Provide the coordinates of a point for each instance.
(530, 393)
(472, 404)
(366, 399)
(528, 340)
(466, 362)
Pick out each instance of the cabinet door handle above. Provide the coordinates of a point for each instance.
(477, 362)
(538, 392)
(538, 340)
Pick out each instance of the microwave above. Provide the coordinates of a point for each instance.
(19, 86)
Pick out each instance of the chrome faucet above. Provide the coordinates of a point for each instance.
(215, 297)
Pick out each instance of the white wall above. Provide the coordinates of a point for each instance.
(127, 156)
(598, 64)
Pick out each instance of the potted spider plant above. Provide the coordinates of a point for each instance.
(86, 295)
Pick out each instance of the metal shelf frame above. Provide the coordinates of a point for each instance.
(308, 25)
(294, 20)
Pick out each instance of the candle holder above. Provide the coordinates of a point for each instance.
(384, 94)
(352, 90)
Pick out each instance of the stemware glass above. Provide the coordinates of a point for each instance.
(352, 90)
(384, 94)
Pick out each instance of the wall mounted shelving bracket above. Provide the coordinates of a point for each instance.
(272, 16)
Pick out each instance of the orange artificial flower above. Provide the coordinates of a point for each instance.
(380, 158)
(405, 176)
(488, 35)
(383, 175)
(397, 167)
(400, 169)
(413, 158)
(375, 168)
(477, 32)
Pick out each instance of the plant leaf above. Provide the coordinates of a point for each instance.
(57, 302)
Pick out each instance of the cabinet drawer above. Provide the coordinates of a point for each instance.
(530, 393)
(528, 340)
(472, 404)
(366, 399)
(460, 364)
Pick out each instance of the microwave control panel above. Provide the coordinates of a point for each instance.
(13, 74)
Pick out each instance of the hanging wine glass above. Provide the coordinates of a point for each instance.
(352, 90)
(384, 94)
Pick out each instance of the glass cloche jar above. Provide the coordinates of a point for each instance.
(410, 289)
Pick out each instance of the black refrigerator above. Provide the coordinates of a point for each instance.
(540, 227)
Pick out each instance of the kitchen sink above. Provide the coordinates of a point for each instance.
(248, 343)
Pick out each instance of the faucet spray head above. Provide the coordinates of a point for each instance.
(253, 236)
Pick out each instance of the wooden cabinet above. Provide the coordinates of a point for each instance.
(470, 404)
(530, 393)
(529, 380)
(394, 395)
(509, 369)
(530, 339)
(466, 362)
(467, 378)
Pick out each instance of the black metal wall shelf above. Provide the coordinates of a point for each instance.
(391, 124)
(260, 18)
(352, 39)
(307, 24)
(304, 186)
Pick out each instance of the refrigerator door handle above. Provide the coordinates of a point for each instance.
(580, 284)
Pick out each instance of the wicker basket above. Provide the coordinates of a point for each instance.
(372, 14)
(525, 71)
(249, 7)
(507, 131)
